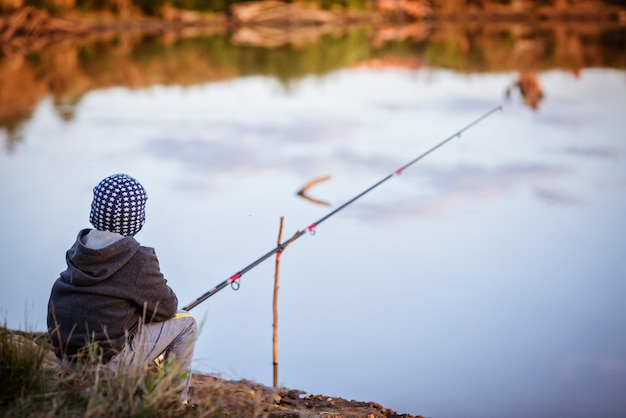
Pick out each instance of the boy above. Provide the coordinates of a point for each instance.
(113, 293)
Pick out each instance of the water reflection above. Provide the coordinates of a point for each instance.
(486, 282)
(68, 69)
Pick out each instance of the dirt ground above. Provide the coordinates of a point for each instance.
(291, 403)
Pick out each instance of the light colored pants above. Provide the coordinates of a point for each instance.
(176, 336)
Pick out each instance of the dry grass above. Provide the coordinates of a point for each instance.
(33, 385)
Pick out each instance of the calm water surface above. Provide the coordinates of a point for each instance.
(486, 281)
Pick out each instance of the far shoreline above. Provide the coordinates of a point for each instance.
(30, 22)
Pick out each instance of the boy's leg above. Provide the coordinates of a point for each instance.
(176, 336)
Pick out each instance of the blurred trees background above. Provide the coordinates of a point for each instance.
(154, 7)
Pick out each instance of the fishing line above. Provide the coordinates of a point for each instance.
(234, 279)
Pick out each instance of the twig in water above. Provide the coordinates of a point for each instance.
(302, 191)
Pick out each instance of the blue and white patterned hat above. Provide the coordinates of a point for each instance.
(119, 205)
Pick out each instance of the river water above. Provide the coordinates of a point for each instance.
(487, 280)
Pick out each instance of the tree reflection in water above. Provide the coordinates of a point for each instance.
(68, 69)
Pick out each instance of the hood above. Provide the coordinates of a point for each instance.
(88, 266)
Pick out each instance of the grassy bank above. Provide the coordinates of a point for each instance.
(35, 386)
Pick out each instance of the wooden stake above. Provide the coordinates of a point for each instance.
(275, 326)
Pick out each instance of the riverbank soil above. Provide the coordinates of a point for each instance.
(288, 403)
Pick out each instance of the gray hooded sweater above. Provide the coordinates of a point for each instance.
(104, 293)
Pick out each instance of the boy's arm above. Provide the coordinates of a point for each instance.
(155, 296)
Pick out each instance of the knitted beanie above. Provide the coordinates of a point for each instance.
(119, 205)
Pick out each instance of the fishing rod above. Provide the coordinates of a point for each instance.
(234, 279)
